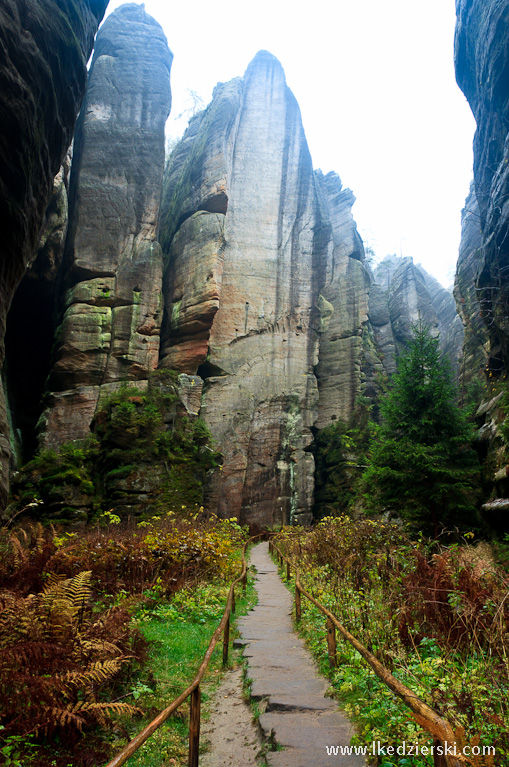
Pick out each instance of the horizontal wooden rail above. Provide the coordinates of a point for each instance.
(438, 727)
(193, 690)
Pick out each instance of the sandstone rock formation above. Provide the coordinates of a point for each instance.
(31, 322)
(44, 51)
(450, 326)
(482, 72)
(343, 306)
(267, 295)
(260, 297)
(476, 343)
(113, 264)
(241, 202)
(402, 293)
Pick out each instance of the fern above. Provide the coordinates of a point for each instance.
(55, 665)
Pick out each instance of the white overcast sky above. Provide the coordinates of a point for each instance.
(379, 102)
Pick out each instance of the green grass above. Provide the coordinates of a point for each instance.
(179, 633)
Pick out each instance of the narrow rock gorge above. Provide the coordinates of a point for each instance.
(239, 275)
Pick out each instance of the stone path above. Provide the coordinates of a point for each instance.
(297, 715)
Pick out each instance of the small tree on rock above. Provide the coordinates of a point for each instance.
(422, 465)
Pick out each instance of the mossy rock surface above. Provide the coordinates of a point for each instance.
(145, 453)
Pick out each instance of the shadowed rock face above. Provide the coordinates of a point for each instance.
(476, 343)
(264, 268)
(113, 263)
(31, 322)
(482, 72)
(44, 48)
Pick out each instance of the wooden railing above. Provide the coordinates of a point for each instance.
(438, 727)
(193, 691)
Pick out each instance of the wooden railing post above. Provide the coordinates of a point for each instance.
(288, 571)
(298, 610)
(331, 644)
(233, 600)
(226, 640)
(194, 727)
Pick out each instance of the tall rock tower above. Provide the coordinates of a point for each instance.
(112, 263)
(247, 230)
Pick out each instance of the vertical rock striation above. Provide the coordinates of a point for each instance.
(476, 342)
(343, 306)
(267, 295)
(44, 48)
(450, 326)
(401, 294)
(113, 262)
(31, 322)
(247, 228)
(482, 72)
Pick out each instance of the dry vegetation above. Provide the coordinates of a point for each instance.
(69, 648)
(436, 616)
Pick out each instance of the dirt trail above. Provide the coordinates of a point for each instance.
(234, 740)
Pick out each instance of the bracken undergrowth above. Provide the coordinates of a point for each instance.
(436, 616)
(70, 648)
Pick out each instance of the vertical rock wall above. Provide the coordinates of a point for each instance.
(450, 326)
(241, 203)
(270, 310)
(476, 343)
(31, 322)
(343, 305)
(113, 263)
(44, 48)
(403, 293)
(482, 72)
(270, 315)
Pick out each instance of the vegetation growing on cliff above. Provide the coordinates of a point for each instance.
(340, 452)
(144, 452)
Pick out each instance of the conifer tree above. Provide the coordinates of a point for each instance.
(422, 465)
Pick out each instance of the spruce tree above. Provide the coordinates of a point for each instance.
(422, 465)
